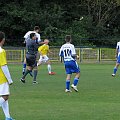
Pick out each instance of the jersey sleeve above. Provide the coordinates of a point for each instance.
(117, 46)
(38, 37)
(73, 50)
(27, 34)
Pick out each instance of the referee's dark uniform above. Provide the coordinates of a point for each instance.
(31, 52)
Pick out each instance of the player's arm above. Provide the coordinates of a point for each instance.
(41, 42)
(7, 73)
(74, 55)
(3, 65)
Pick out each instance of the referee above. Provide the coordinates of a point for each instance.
(31, 54)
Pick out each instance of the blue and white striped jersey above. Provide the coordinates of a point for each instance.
(67, 51)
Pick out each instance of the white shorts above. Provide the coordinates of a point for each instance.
(4, 89)
(43, 58)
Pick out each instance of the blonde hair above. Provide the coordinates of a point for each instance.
(46, 41)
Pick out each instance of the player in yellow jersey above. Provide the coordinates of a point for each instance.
(5, 79)
(44, 50)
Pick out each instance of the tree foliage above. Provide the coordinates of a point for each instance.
(89, 19)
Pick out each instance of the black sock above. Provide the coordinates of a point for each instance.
(35, 75)
(26, 72)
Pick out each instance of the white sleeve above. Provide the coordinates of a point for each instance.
(7, 73)
(73, 50)
(27, 34)
(117, 46)
(38, 36)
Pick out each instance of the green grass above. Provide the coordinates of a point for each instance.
(98, 97)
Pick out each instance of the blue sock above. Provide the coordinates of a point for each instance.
(24, 65)
(24, 68)
(115, 70)
(75, 82)
(68, 84)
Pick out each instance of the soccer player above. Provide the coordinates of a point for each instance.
(31, 54)
(5, 79)
(67, 51)
(38, 40)
(44, 50)
(118, 59)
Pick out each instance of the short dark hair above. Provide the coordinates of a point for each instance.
(36, 28)
(32, 35)
(68, 38)
(2, 35)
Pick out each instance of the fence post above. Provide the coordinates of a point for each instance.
(80, 55)
(99, 54)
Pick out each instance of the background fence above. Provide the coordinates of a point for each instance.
(86, 55)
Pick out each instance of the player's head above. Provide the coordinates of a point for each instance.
(46, 41)
(37, 29)
(2, 38)
(68, 38)
(33, 36)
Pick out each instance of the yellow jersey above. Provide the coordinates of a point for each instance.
(3, 62)
(44, 49)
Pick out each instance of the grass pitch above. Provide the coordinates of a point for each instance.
(98, 97)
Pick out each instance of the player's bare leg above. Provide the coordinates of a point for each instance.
(49, 68)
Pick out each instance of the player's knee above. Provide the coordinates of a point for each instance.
(5, 97)
(77, 75)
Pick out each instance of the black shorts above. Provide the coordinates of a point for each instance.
(31, 60)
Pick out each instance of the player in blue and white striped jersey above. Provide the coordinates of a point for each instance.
(67, 51)
(118, 59)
